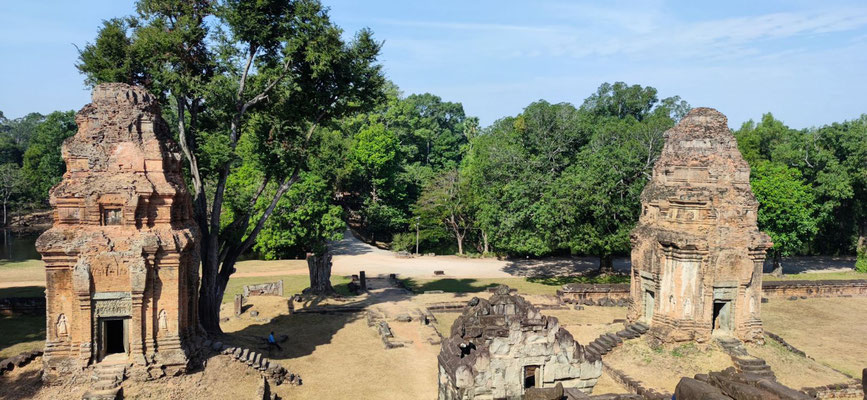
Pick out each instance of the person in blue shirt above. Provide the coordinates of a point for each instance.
(273, 342)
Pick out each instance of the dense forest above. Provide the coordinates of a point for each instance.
(290, 131)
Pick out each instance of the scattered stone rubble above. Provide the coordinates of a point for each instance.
(500, 347)
(18, 361)
(697, 253)
(729, 384)
(272, 371)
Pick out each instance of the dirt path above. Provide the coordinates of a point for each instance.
(351, 255)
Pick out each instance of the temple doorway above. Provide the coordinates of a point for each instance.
(114, 336)
(649, 304)
(530, 372)
(722, 317)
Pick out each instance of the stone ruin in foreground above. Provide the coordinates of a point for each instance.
(500, 347)
(697, 253)
(121, 259)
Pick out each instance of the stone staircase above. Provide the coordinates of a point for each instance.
(107, 380)
(606, 342)
(744, 362)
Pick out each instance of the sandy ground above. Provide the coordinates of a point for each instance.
(209, 383)
(833, 331)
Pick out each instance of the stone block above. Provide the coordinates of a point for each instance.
(692, 389)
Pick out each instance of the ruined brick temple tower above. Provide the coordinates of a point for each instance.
(502, 347)
(697, 253)
(121, 260)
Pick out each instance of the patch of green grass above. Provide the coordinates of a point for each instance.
(21, 333)
(21, 264)
(818, 276)
(683, 350)
(292, 284)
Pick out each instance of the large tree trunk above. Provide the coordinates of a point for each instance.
(778, 264)
(213, 287)
(320, 274)
(460, 244)
(485, 240)
(606, 264)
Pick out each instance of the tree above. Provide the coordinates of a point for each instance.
(303, 221)
(786, 208)
(273, 70)
(11, 186)
(510, 168)
(43, 166)
(601, 192)
(444, 201)
(831, 160)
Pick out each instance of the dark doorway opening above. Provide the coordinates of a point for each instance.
(114, 336)
(530, 372)
(721, 316)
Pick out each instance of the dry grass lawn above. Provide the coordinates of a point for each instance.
(662, 368)
(793, 370)
(833, 331)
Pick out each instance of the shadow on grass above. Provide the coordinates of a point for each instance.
(21, 329)
(592, 279)
(23, 291)
(449, 285)
(306, 330)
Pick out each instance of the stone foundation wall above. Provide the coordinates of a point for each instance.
(579, 293)
(810, 289)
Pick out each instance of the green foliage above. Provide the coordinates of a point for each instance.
(861, 261)
(786, 206)
(558, 179)
(395, 151)
(832, 161)
(511, 168)
(303, 218)
(111, 57)
(445, 204)
(43, 166)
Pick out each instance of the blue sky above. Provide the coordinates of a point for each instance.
(805, 61)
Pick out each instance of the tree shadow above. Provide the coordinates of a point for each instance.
(449, 285)
(800, 264)
(316, 320)
(21, 329)
(21, 385)
(560, 266)
(23, 291)
(590, 278)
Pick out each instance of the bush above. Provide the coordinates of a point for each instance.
(861, 261)
(403, 242)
